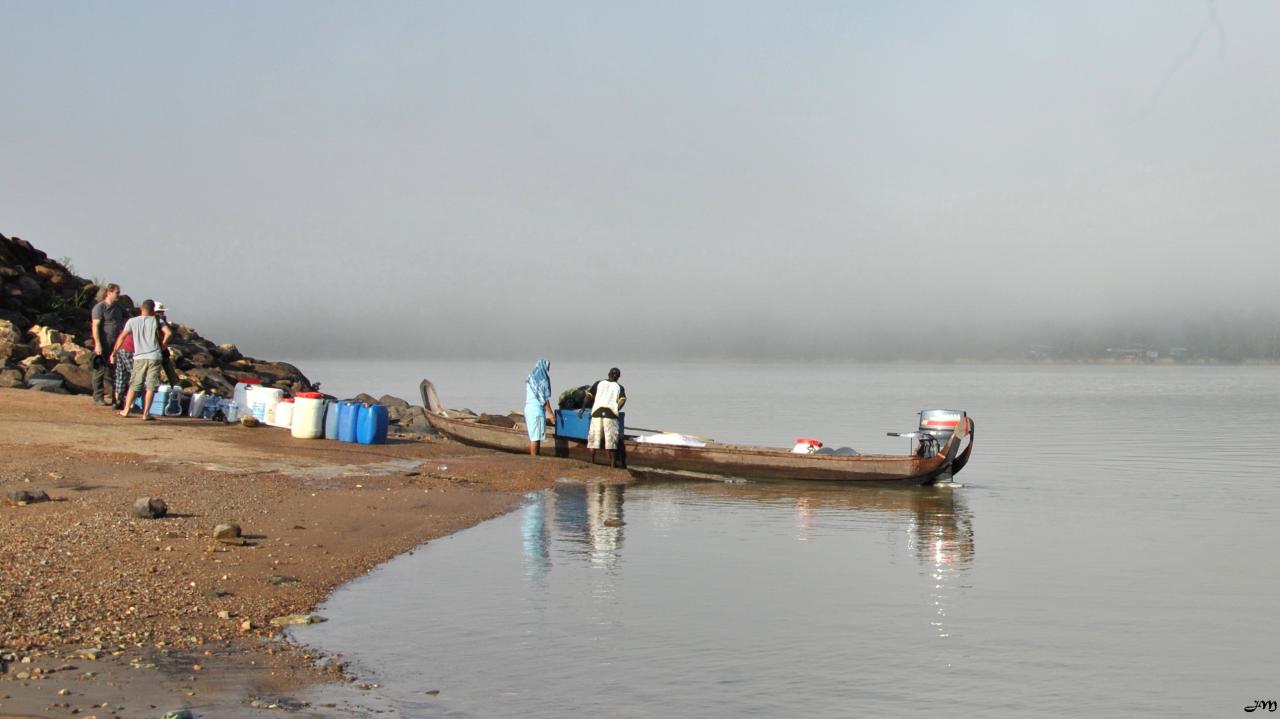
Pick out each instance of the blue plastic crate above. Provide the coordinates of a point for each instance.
(570, 426)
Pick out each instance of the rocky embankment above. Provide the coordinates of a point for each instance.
(45, 340)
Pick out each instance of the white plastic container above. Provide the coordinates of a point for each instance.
(308, 415)
(264, 401)
(240, 395)
(196, 408)
(804, 445)
(284, 414)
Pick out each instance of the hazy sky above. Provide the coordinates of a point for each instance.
(659, 179)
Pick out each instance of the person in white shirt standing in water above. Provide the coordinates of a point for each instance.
(606, 398)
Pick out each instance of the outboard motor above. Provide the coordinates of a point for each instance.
(939, 424)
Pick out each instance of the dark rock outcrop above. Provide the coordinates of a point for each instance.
(45, 341)
(45, 328)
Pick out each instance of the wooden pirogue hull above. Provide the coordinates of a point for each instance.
(721, 460)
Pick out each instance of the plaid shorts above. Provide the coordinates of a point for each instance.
(124, 368)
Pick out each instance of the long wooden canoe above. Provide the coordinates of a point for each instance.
(930, 464)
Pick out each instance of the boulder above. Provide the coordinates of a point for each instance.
(26, 496)
(78, 379)
(211, 379)
(51, 275)
(10, 335)
(150, 508)
(55, 353)
(416, 421)
(40, 379)
(33, 365)
(11, 378)
(228, 352)
(29, 287)
(15, 316)
(226, 531)
(364, 399)
(83, 358)
(273, 372)
(46, 335)
(389, 401)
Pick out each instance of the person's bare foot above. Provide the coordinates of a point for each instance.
(148, 418)
(124, 413)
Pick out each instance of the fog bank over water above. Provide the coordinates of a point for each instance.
(867, 181)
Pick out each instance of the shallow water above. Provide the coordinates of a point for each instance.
(1111, 554)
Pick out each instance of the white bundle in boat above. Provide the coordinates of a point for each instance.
(671, 438)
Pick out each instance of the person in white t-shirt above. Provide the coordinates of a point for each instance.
(606, 398)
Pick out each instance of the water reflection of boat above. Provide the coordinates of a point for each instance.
(939, 523)
(941, 444)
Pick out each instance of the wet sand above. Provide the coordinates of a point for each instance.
(106, 615)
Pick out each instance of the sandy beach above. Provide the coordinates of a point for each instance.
(107, 615)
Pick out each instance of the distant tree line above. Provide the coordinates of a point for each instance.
(1220, 337)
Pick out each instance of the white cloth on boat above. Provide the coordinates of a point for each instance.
(671, 438)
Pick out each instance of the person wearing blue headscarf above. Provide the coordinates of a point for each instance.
(537, 404)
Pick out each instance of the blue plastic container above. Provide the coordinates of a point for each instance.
(212, 404)
(159, 400)
(570, 426)
(330, 419)
(348, 415)
(173, 405)
(371, 426)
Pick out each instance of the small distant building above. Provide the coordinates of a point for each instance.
(1040, 352)
(1139, 353)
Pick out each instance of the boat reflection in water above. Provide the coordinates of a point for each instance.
(937, 524)
(585, 523)
(589, 518)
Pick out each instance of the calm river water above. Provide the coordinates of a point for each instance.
(1111, 553)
